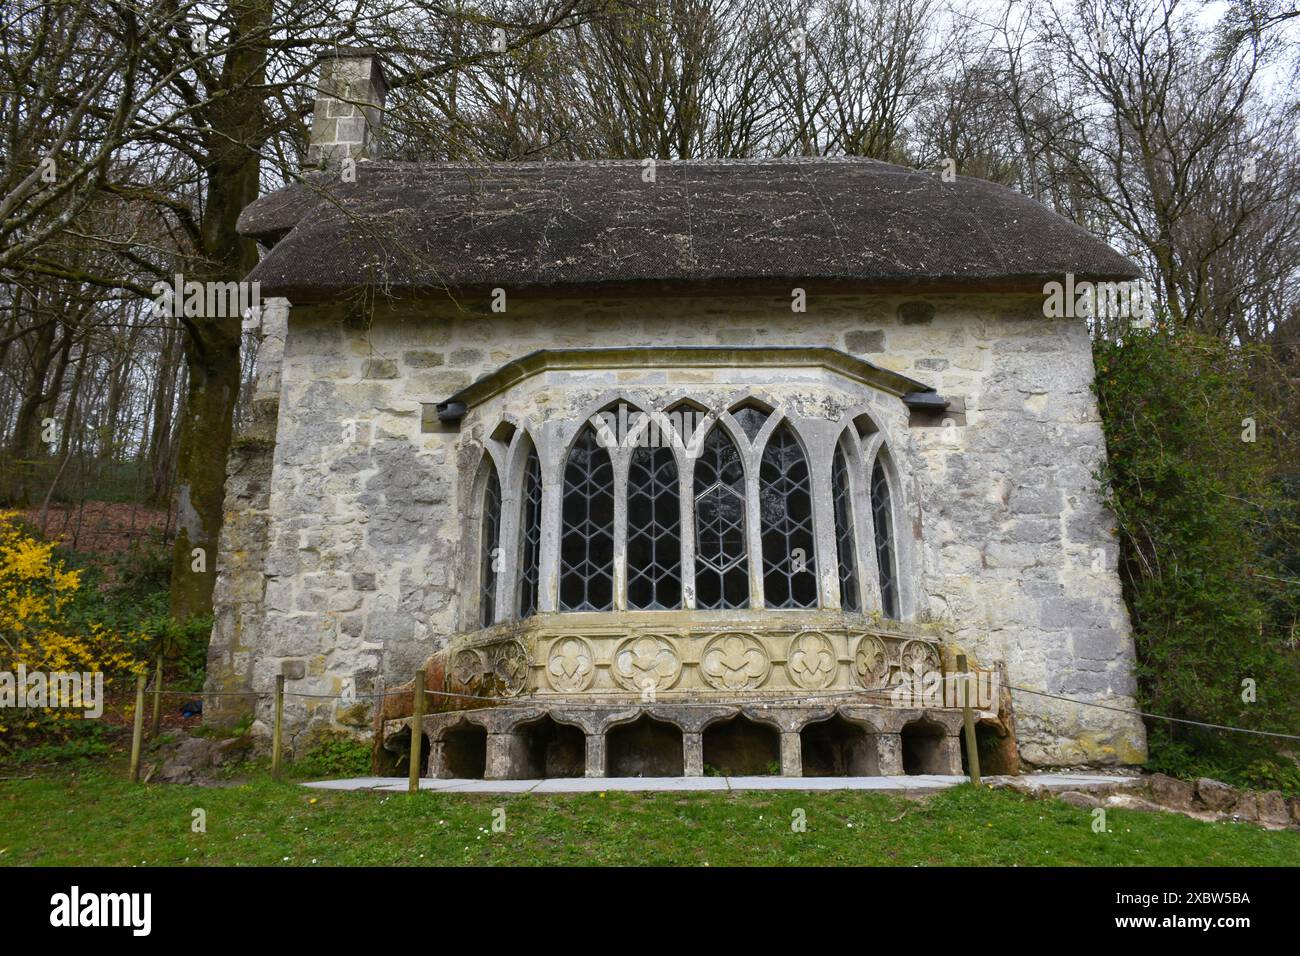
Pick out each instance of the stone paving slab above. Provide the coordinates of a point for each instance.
(843, 783)
(462, 786)
(594, 784)
(919, 783)
(1066, 781)
(353, 783)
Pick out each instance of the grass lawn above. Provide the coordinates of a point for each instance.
(89, 815)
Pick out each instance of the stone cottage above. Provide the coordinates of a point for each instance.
(664, 467)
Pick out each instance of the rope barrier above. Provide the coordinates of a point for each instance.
(1143, 713)
(594, 700)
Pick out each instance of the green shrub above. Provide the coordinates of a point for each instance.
(334, 755)
(143, 570)
(183, 645)
(1255, 765)
(1207, 529)
(88, 742)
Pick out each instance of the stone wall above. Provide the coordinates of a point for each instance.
(1015, 556)
(238, 595)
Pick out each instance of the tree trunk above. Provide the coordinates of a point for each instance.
(160, 437)
(212, 344)
(212, 356)
(23, 441)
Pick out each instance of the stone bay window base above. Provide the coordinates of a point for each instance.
(797, 695)
(523, 742)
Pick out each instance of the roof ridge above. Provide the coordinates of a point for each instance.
(597, 163)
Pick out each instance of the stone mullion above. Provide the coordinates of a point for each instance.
(864, 527)
(686, 497)
(823, 515)
(620, 461)
(753, 528)
(511, 519)
(552, 462)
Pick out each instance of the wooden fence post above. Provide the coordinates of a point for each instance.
(968, 719)
(137, 728)
(417, 731)
(276, 746)
(157, 699)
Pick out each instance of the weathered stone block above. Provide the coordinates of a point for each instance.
(422, 358)
(916, 313)
(1272, 808)
(1171, 792)
(379, 369)
(1084, 801)
(1214, 795)
(862, 340)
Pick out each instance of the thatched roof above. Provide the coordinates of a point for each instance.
(708, 223)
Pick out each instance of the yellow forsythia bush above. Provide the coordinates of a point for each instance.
(36, 631)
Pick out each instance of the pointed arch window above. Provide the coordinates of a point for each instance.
(654, 531)
(489, 561)
(785, 509)
(587, 532)
(845, 546)
(882, 517)
(721, 549)
(530, 536)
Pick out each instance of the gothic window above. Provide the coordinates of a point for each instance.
(654, 526)
(721, 549)
(883, 520)
(587, 534)
(845, 546)
(650, 555)
(785, 507)
(530, 535)
(491, 540)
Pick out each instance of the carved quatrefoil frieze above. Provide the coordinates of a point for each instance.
(811, 662)
(735, 661)
(871, 662)
(647, 662)
(916, 659)
(510, 666)
(572, 665)
(468, 667)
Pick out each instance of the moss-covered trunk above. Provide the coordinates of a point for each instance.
(234, 119)
(212, 355)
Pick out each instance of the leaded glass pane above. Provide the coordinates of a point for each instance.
(491, 541)
(880, 512)
(785, 507)
(751, 420)
(530, 536)
(845, 546)
(721, 551)
(587, 535)
(654, 531)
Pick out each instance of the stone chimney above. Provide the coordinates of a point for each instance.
(349, 108)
